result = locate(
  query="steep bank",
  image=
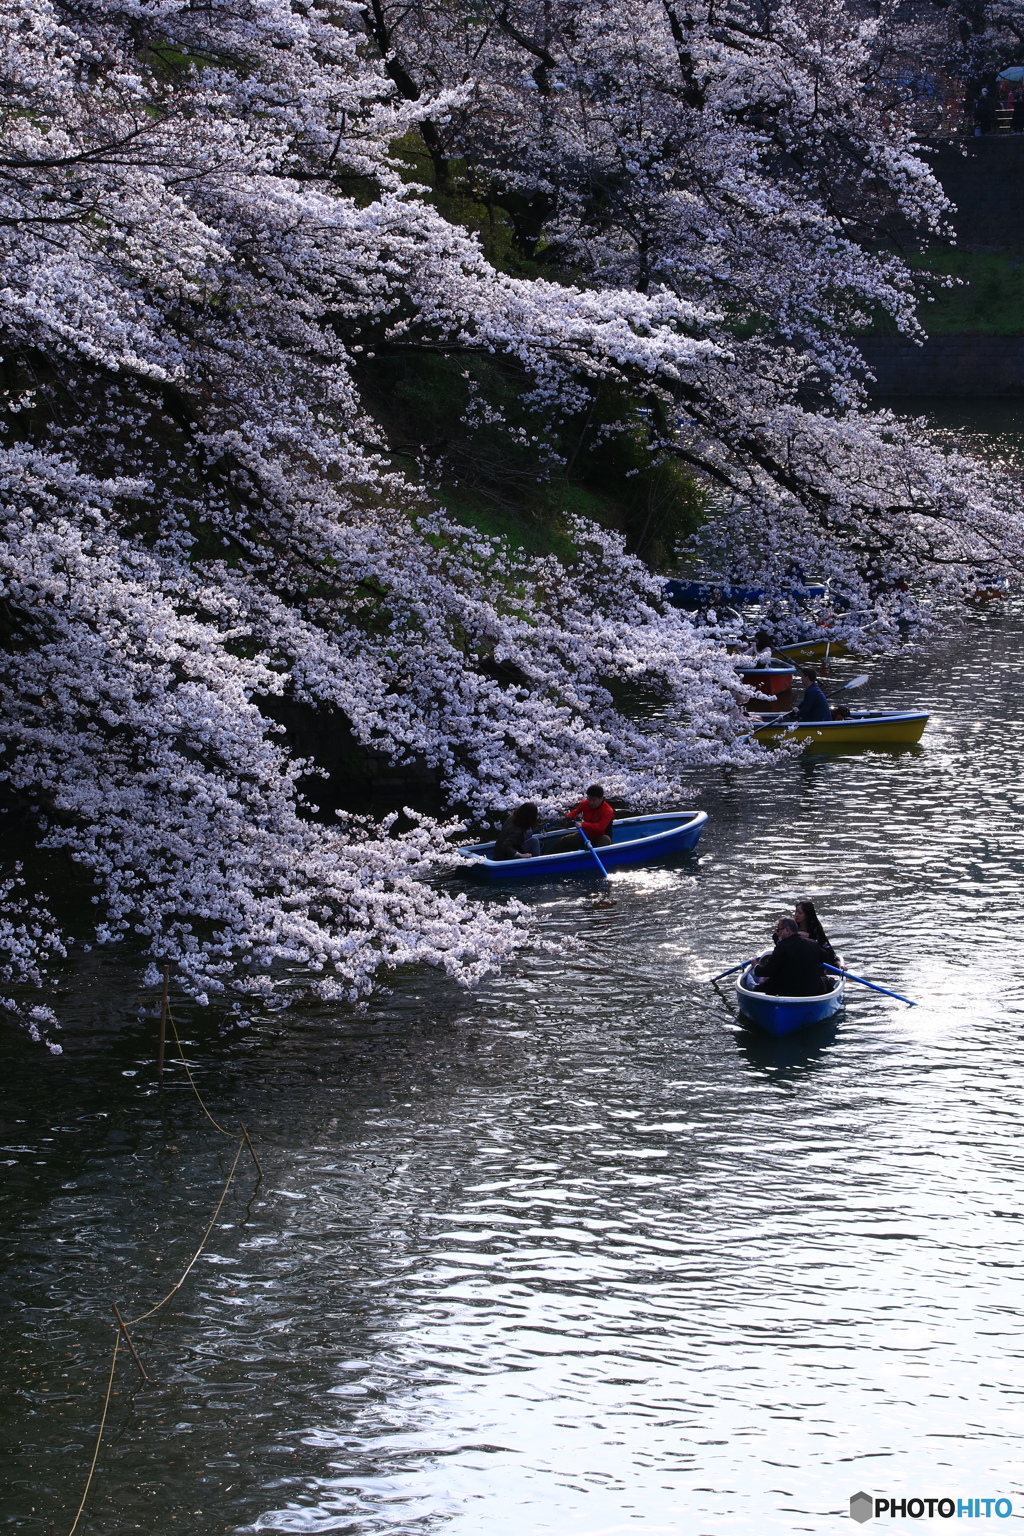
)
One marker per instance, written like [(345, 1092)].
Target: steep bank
[(975, 345)]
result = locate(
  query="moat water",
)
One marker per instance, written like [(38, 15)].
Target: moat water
[(574, 1252)]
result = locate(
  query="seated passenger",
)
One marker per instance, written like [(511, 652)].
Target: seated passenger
[(596, 816), (793, 969), (762, 648), (814, 705), (518, 837), (841, 712), (809, 924)]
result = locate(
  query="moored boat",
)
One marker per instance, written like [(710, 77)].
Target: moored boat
[(784, 1015), (860, 730), (705, 594), (635, 840), (772, 680), (810, 650)]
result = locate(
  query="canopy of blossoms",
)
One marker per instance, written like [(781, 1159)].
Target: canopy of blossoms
[(205, 229)]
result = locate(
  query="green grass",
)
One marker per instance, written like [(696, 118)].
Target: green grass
[(494, 476), (987, 300)]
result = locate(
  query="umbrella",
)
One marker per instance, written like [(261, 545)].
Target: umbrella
[(1015, 72)]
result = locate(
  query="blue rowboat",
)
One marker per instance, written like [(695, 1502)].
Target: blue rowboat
[(702, 594), (635, 840), (785, 1015)]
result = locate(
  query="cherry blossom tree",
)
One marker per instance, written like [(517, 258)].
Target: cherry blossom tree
[(203, 228), (209, 233), (756, 161)]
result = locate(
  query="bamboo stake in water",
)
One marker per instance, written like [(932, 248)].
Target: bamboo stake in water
[(163, 1030), (128, 1340)]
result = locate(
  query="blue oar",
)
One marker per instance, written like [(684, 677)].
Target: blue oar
[(873, 985), (593, 852), (732, 970)]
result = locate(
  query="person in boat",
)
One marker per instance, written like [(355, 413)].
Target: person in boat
[(809, 924), (813, 706), (763, 644), (518, 837), (595, 815), (793, 969), (841, 712)]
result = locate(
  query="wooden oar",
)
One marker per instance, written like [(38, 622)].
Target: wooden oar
[(836, 970), (593, 852), (732, 970)]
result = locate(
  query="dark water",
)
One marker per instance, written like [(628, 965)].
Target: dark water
[(572, 1253)]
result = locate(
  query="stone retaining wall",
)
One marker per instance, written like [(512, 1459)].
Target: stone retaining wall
[(945, 365)]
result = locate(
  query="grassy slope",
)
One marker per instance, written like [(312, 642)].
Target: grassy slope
[(987, 299), (494, 475)]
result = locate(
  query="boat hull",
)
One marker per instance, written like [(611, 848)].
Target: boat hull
[(635, 840), (810, 650), (785, 1015), (702, 594), (901, 730), (769, 680)]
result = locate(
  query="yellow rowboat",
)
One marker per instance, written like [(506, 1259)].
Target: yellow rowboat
[(874, 730), (810, 650)]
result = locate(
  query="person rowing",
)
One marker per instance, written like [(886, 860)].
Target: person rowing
[(813, 706), (518, 837), (794, 967), (595, 816)]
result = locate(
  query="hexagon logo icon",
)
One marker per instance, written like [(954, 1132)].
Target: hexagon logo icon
[(862, 1507)]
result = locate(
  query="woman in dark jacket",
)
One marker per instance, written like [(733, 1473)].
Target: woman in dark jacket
[(518, 837), (809, 924)]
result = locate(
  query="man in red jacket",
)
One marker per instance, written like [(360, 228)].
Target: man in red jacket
[(596, 816)]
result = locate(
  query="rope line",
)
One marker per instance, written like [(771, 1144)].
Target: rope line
[(99, 1436), (195, 1090), (132, 1321), (243, 1145)]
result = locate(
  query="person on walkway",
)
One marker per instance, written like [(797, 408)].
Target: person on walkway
[(793, 969), (595, 815), (518, 837), (809, 924), (984, 112), (1017, 120), (814, 705)]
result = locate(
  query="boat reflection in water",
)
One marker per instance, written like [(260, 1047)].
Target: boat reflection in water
[(805, 1049)]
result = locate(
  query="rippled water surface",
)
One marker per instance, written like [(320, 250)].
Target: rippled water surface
[(572, 1253)]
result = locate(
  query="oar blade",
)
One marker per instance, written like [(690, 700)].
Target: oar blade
[(593, 853), (872, 984)]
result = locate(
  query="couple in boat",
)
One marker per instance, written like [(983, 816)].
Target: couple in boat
[(794, 967), (518, 838)]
